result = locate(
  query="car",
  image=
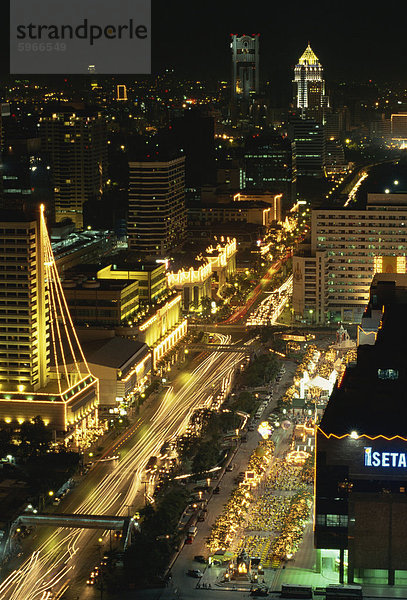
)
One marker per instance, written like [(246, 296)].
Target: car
[(259, 591), (216, 490), (200, 558), (230, 467), (189, 540), (195, 573), (90, 581)]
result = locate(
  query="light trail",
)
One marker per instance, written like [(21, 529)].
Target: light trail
[(354, 190), (270, 309), (53, 564)]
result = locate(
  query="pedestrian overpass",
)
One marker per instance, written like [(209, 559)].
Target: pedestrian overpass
[(127, 525)]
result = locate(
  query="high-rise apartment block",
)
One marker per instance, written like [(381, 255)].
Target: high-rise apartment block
[(332, 278), (157, 213), (75, 140), (245, 66)]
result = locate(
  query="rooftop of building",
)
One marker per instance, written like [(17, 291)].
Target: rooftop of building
[(78, 108), (114, 352), (371, 398), (231, 205), (17, 215), (91, 270), (93, 284), (308, 57)]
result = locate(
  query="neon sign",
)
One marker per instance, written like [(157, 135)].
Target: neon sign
[(385, 459)]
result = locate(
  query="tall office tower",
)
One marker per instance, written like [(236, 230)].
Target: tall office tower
[(309, 85), (308, 148), (75, 140), (245, 66), (157, 213), (267, 164), (42, 367)]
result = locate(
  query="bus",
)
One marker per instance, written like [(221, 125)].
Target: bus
[(291, 590)]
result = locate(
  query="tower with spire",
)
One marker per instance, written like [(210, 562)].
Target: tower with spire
[(309, 84)]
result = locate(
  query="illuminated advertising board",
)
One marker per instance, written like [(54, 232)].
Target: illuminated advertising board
[(377, 458)]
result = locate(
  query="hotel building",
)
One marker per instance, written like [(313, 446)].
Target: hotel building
[(35, 376), (332, 276)]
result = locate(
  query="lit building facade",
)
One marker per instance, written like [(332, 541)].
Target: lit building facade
[(102, 302), (76, 142), (214, 267), (333, 276), (194, 283), (38, 375), (399, 127), (163, 328), (309, 84), (151, 278), (123, 367), (157, 213)]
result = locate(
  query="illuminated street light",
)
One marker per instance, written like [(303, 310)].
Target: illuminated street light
[(354, 435)]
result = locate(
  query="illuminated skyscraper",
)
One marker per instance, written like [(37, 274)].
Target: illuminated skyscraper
[(245, 66), (43, 371), (309, 85)]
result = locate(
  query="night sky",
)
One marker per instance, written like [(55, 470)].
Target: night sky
[(354, 41)]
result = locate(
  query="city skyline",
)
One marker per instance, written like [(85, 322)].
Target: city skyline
[(356, 44)]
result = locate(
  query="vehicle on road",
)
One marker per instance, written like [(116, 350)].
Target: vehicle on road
[(200, 558), (195, 573), (151, 464), (259, 591), (216, 490), (189, 540)]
